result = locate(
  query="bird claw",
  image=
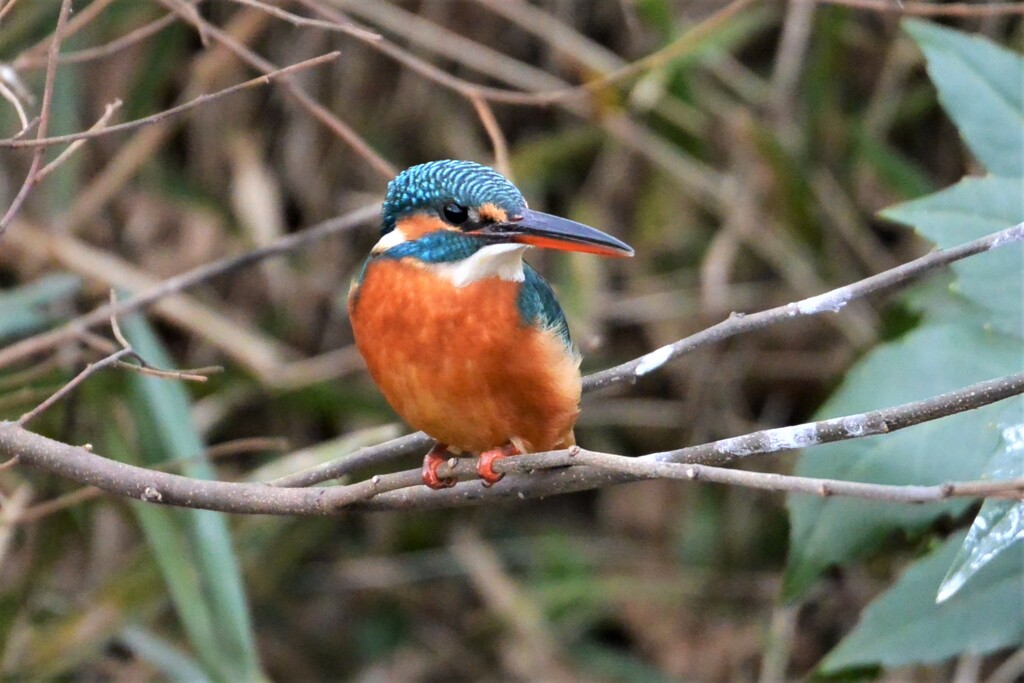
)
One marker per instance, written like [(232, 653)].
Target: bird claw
[(485, 465), (434, 459)]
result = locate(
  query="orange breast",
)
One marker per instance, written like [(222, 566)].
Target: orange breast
[(458, 364)]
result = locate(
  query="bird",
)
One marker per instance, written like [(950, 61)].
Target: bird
[(466, 341)]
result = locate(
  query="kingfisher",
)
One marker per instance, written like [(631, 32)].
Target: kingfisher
[(464, 339)]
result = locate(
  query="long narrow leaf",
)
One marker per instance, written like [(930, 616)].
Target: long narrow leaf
[(165, 404)]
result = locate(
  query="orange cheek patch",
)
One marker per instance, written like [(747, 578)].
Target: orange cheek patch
[(492, 212), (415, 227)]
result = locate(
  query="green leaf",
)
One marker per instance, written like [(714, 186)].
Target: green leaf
[(169, 544), (26, 308), (1000, 523), (169, 434), (904, 625), (979, 86), (174, 664), (971, 332), (931, 360), (973, 208)]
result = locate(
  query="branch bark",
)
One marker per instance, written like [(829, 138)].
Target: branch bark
[(530, 476)]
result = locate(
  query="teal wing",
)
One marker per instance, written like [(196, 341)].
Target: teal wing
[(538, 306)]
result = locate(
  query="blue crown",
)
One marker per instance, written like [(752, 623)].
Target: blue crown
[(429, 186)]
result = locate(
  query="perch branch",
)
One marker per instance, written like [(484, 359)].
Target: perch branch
[(557, 472), (552, 473)]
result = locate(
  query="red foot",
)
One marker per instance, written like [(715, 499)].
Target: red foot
[(437, 456), (485, 466)]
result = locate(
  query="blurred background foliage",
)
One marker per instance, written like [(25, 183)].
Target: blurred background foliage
[(747, 172)]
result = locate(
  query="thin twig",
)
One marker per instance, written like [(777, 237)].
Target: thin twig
[(198, 375), (29, 59), (829, 302), (317, 110), (343, 26), (78, 20), (9, 95), (44, 118), (784, 483), (89, 54), (26, 130), (173, 111), (498, 142), (934, 9), (73, 147), (7, 8), (680, 46), (85, 374), (144, 368)]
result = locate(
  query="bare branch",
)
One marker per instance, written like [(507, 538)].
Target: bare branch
[(784, 483), (29, 61), (574, 469), (82, 465), (341, 25), (11, 97), (199, 101), (179, 283), (498, 142), (7, 8), (85, 374), (86, 493), (829, 302), (933, 9), (317, 110), (538, 478), (44, 118), (362, 458), (73, 147), (113, 359)]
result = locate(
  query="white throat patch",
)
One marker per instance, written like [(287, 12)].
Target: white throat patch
[(503, 261), (392, 239)]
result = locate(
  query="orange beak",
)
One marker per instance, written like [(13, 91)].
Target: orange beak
[(551, 232)]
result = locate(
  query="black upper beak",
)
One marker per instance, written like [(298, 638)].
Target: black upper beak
[(551, 232)]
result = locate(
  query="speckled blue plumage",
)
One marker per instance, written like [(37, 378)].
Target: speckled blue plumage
[(539, 307), (435, 183), (443, 246)]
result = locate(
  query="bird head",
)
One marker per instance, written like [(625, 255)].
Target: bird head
[(449, 211)]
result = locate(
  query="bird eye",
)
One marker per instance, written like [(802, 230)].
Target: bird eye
[(455, 214)]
